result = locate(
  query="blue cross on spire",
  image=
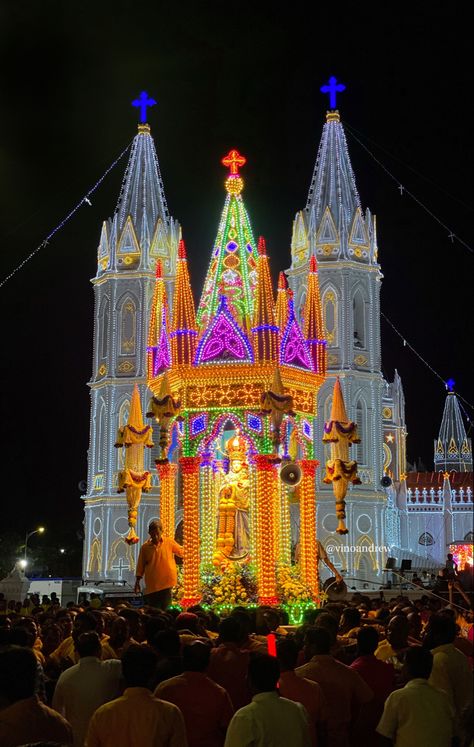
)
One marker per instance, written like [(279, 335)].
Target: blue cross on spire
[(332, 87), (143, 102), (450, 385)]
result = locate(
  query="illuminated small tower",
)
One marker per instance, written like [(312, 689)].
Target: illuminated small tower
[(265, 330), (184, 329), (452, 449), (140, 232)]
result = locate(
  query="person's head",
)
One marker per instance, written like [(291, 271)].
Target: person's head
[(418, 663), (138, 665), (287, 654), (350, 619), (414, 624), (135, 622), (166, 643), (84, 622), (329, 623), (155, 530), (119, 631), (64, 620), (440, 629), (263, 673), (230, 630), (196, 657), (317, 642), (20, 636), (397, 631), (188, 621), (88, 644), (367, 641), (18, 674), (99, 619), (450, 556)]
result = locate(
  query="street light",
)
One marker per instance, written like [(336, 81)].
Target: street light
[(22, 563), (40, 530)]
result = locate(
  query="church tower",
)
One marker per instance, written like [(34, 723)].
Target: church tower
[(140, 233), (453, 449), (334, 228)]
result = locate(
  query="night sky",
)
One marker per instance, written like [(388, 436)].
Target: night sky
[(248, 80)]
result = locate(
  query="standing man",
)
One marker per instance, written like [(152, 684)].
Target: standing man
[(156, 562)]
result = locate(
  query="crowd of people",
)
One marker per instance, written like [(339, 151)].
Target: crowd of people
[(364, 672)]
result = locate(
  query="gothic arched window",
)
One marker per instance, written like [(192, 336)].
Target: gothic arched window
[(426, 539), (361, 419), (330, 316), (358, 308), (122, 420), (128, 324), (101, 435), (104, 329)]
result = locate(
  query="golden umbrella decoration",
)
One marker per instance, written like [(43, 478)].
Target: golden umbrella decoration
[(133, 479), (340, 470), (276, 404), (164, 409)]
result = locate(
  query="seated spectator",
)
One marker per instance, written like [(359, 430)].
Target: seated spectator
[(393, 649), (350, 622), (84, 687), (120, 638), (345, 691), (228, 664), (137, 718), (25, 718), (269, 719), (206, 707), (417, 714), (66, 655), (302, 690)]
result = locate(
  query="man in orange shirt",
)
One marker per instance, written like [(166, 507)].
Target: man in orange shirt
[(156, 562), (206, 707)]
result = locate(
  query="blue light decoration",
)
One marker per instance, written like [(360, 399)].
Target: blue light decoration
[(307, 430), (198, 424), (332, 87), (143, 102), (450, 385), (254, 423)]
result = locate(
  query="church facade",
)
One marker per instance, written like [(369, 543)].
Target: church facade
[(383, 520)]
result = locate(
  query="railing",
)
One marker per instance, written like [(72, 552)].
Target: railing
[(435, 497)]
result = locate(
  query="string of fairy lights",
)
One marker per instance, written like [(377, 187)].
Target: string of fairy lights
[(84, 201), (403, 190)]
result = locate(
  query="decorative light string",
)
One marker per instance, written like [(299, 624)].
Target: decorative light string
[(407, 344), (451, 234), (84, 201)]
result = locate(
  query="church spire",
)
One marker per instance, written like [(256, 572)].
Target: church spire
[(312, 320), (183, 328), (265, 330), (232, 271), (158, 349), (281, 306), (453, 449)]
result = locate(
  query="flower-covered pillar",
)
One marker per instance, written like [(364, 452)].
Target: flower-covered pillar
[(267, 490), (167, 474), (284, 543), (308, 559), (208, 511), (190, 472)]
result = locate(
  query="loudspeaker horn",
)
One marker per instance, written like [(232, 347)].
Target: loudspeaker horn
[(290, 474), (386, 481)]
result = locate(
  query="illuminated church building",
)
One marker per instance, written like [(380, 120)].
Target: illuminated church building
[(416, 516)]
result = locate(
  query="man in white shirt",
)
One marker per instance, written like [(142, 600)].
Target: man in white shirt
[(269, 719), (418, 714), (81, 689)]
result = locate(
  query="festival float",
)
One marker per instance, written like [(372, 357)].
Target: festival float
[(234, 389)]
